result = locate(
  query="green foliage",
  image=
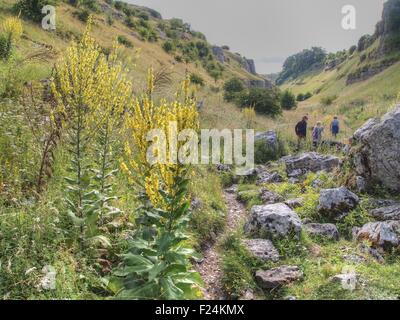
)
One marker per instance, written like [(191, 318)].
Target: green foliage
[(125, 41), (5, 46), (168, 46), (288, 100), (196, 79), (157, 265), (83, 15), (301, 62), (328, 100), (32, 9), (232, 89), (238, 266), (264, 152), (304, 97), (263, 101)]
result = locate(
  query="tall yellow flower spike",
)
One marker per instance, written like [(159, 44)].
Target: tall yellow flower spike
[(12, 27)]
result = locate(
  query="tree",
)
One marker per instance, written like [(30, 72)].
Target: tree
[(264, 101), (288, 100), (232, 88)]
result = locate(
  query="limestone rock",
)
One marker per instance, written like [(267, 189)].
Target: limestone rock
[(269, 197), (262, 249), (377, 150), (326, 230), (310, 161), (385, 234), (273, 221), (336, 203), (386, 213), (278, 277), (294, 203)]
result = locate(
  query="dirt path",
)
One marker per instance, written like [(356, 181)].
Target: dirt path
[(211, 269)]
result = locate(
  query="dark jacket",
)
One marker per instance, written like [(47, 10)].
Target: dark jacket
[(301, 128)]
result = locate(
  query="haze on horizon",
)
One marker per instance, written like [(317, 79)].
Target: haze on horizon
[(270, 31)]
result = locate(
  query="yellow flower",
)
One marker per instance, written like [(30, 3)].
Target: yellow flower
[(13, 27)]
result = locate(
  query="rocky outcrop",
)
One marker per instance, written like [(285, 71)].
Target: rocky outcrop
[(269, 197), (249, 65), (336, 203), (386, 213), (376, 154), (262, 249), (269, 139), (278, 277), (325, 230), (310, 161), (263, 84), (273, 221), (219, 54), (385, 234)]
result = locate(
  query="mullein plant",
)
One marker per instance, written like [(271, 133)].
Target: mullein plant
[(10, 32), (91, 91), (158, 262)]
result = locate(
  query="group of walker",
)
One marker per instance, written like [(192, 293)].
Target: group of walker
[(317, 131)]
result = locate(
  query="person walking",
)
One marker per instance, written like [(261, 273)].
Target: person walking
[(335, 127), (317, 134), (301, 131)]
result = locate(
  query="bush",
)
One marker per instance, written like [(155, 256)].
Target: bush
[(263, 153), (83, 15), (300, 97), (328, 100), (125, 41), (288, 100), (352, 49), (196, 79), (264, 101), (168, 46), (231, 89), (32, 9)]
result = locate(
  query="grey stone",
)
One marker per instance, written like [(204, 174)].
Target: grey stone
[(347, 280), (336, 203), (269, 138), (385, 235), (294, 203), (277, 277), (266, 177), (386, 213), (269, 197), (219, 54), (310, 161), (262, 249), (376, 151), (326, 230), (273, 221), (361, 184)]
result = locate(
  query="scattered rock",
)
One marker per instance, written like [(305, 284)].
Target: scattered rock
[(386, 213), (195, 203), (278, 277), (48, 281), (310, 161), (262, 249), (294, 203), (336, 203), (290, 298), (269, 138), (347, 280), (293, 180), (354, 232), (361, 184), (223, 167), (218, 52), (297, 173), (269, 197), (248, 295), (317, 183), (232, 189), (326, 230), (385, 234), (274, 220), (267, 177), (354, 258), (372, 252), (377, 150)]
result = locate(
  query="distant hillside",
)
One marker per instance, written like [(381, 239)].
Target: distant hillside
[(338, 73)]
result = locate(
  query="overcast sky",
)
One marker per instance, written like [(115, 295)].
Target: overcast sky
[(270, 30)]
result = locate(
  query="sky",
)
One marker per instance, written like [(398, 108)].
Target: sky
[(269, 31)]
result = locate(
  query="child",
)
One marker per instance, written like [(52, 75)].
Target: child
[(335, 127), (317, 134)]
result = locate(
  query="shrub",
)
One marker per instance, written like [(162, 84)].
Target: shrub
[(264, 153), (352, 49), (143, 15), (300, 97), (32, 9), (308, 95), (129, 22), (288, 100), (124, 41), (232, 88), (264, 101), (83, 15), (196, 79), (168, 46), (328, 100)]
